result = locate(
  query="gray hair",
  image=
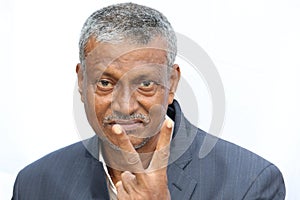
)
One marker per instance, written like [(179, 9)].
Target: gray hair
[(122, 21)]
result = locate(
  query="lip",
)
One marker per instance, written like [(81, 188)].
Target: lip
[(128, 125)]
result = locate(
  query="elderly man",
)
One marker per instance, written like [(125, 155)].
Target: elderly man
[(144, 147)]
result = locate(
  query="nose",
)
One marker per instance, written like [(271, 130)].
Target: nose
[(124, 100)]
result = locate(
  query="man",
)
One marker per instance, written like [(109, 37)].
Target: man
[(144, 147)]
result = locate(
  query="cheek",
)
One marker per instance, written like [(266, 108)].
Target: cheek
[(159, 98), (102, 106)]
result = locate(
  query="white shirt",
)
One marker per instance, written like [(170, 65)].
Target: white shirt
[(112, 190)]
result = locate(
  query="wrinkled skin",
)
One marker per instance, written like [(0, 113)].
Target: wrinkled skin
[(126, 89)]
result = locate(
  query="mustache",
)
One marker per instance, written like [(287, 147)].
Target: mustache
[(135, 116)]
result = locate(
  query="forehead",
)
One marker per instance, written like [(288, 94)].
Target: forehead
[(125, 53)]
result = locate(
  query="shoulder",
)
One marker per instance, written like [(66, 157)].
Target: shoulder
[(51, 164), (64, 157), (72, 168), (58, 157), (209, 146), (53, 168), (234, 169)]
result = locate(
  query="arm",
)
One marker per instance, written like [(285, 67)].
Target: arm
[(269, 184)]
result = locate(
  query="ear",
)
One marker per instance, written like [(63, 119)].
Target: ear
[(79, 71), (174, 79)]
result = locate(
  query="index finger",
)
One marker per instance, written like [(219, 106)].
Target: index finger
[(130, 160), (160, 156), (165, 134)]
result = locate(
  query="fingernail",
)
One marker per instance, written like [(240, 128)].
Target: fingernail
[(117, 129), (119, 183), (169, 123)]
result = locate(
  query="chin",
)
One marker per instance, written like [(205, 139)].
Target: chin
[(139, 143)]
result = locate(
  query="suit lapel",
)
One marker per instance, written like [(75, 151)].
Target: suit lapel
[(98, 186), (180, 181), (181, 184)]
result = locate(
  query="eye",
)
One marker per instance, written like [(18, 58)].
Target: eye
[(104, 85), (147, 83), (147, 86)]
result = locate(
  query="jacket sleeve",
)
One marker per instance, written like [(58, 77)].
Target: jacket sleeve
[(269, 184)]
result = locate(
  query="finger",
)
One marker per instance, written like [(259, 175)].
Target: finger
[(161, 154), (122, 138), (121, 192), (129, 182), (165, 134), (130, 156)]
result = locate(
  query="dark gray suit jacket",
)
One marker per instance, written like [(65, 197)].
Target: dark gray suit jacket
[(201, 167)]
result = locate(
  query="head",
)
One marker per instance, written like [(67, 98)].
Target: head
[(126, 73)]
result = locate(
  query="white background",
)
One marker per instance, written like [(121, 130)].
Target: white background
[(255, 46)]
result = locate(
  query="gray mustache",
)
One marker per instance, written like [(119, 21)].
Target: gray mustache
[(138, 116)]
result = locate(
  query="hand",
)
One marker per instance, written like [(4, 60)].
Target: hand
[(150, 183)]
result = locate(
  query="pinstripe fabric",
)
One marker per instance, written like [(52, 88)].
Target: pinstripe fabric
[(227, 172)]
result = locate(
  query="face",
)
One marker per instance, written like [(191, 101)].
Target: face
[(128, 85)]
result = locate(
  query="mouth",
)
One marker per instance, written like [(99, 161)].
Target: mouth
[(130, 126)]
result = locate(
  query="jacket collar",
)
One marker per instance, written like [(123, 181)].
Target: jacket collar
[(181, 184)]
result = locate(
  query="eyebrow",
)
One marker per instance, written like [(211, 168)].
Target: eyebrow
[(105, 73), (136, 77)]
